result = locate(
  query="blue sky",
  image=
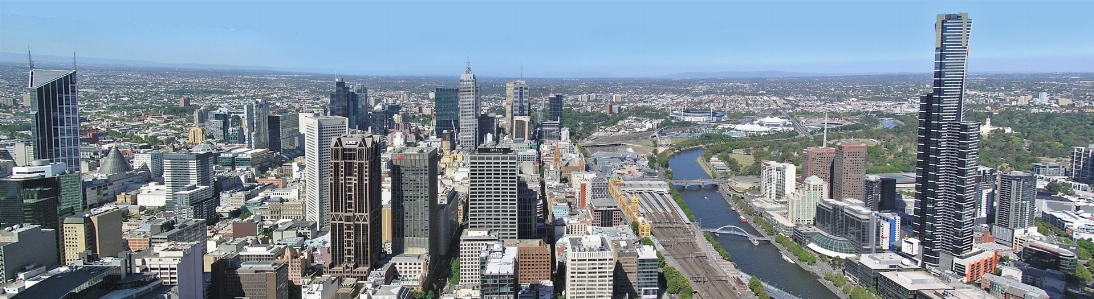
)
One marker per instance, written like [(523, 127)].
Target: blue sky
[(556, 38)]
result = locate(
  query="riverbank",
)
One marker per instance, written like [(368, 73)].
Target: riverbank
[(818, 269), (704, 165)]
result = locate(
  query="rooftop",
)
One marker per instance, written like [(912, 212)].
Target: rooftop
[(61, 284), (917, 280)]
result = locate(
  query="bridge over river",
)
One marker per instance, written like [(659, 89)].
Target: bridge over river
[(737, 231), (701, 183)]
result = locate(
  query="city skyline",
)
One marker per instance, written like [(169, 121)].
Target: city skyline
[(586, 40)]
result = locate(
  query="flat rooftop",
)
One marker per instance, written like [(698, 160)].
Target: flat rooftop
[(61, 284), (917, 280)]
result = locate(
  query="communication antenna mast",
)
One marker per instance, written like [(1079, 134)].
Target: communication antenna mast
[(825, 124), (30, 61)]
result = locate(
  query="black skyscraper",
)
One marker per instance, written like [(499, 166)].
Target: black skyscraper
[(350, 104), (447, 110), (554, 104)]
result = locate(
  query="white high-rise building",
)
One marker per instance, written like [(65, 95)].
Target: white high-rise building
[(471, 244), (802, 205), (319, 131), (257, 126), (179, 264), (777, 180), (469, 111), (590, 266), (154, 160)]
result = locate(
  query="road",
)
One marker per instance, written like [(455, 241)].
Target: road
[(680, 240), (798, 125)]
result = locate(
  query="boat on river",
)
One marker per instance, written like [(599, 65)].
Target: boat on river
[(743, 219)]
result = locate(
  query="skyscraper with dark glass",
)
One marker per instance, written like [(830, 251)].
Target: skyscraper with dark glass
[(414, 198), (351, 104), (55, 117), (947, 151), (447, 109), (554, 106), (354, 205)]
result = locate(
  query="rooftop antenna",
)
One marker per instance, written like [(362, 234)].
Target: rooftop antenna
[(468, 65), (522, 69), (825, 124), (73, 59)]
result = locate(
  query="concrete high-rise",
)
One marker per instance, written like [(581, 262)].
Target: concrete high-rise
[(1082, 164), (802, 206), (446, 104), (350, 104), (493, 192), (256, 124), (355, 203), (55, 117), (516, 103), (99, 231), (469, 111), (264, 280), (777, 180), (1016, 207), (849, 170), (414, 198), (817, 161), (947, 151), (319, 131), (189, 179)]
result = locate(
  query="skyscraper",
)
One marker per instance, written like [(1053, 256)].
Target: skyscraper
[(946, 158), (1017, 192), (414, 195), (319, 131), (777, 180), (516, 100), (469, 111), (493, 192), (349, 104), (189, 180), (817, 161), (554, 106), (257, 125), (355, 205), (849, 170), (1082, 164), (802, 206), (55, 117), (447, 109), (40, 194)]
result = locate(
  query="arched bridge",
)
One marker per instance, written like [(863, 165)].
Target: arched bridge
[(737, 231), (703, 183)]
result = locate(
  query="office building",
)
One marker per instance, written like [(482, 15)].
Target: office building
[(802, 206), (284, 132), (264, 280), (256, 127), (493, 191), (41, 194), (318, 133), (590, 264), (98, 231), (1016, 205), (847, 226), (517, 104), (849, 170), (777, 180), (1003, 287), (196, 135), (867, 267), (521, 127), (185, 175), (414, 198), (1047, 256), (871, 195), (471, 244), (533, 260), (499, 272), (550, 130), (355, 205), (55, 117), (1055, 169), (1082, 164), (351, 104), (26, 247), (446, 103), (907, 284), (888, 195), (179, 264), (948, 146), (273, 124), (469, 111), (153, 160), (554, 107), (817, 161)]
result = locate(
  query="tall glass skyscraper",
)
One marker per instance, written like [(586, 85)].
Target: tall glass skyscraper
[(414, 196), (469, 111), (351, 104), (56, 117), (447, 109), (947, 153)]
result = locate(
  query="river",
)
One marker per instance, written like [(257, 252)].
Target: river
[(763, 260)]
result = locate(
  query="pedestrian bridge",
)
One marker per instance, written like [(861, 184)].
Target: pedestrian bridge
[(737, 231), (700, 184)]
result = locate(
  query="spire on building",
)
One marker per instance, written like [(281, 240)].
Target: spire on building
[(30, 61), (825, 125), (468, 71)]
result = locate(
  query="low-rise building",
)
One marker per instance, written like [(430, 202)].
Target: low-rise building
[(905, 285)]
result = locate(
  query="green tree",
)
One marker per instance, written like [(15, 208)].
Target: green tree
[(634, 227), (455, 279), (1083, 254), (1083, 274), (757, 287)]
